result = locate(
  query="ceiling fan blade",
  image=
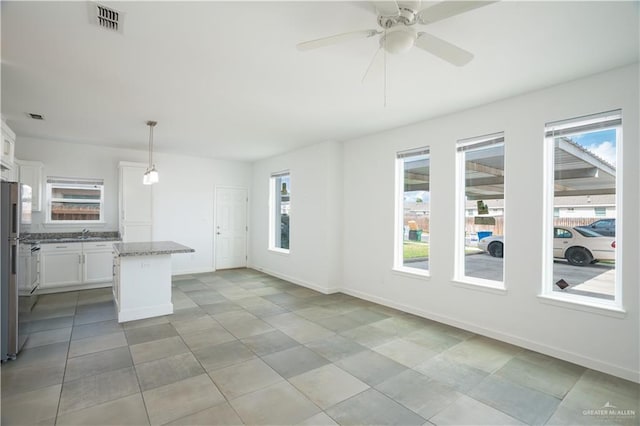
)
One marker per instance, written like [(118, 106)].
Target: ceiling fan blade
[(447, 9), (338, 38), (443, 49), (387, 8)]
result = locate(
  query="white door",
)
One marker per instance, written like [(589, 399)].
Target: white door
[(231, 228)]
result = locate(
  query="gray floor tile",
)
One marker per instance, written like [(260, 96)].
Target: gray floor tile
[(95, 329), (51, 324), (96, 344), (248, 376), (157, 349), (278, 404), (468, 411), (421, 394), (32, 407), (93, 390), (212, 336), (527, 405), (482, 353), (147, 334), (194, 325), (269, 342), (147, 322), (248, 328), (26, 377), (97, 363), (39, 356), (405, 352), (47, 337), (371, 367), (129, 410), (168, 370), (180, 399), (432, 338), (320, 419), (549, 378), (336, 347), (368, 335), (372, 407), (328, 385), (338, 323), (220, 308), (294, 361), (461, 377), (220, 415), (223, 355), (205, 296)]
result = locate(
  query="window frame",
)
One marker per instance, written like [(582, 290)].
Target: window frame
[(273, 191), (608, 120), (398, 236), (73, 183), (459, 275)]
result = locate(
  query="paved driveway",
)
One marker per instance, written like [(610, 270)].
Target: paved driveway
[(596, 280)]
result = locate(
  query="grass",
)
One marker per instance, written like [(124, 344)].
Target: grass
[(415, 250)]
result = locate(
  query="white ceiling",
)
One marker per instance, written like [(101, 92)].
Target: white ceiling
[(224, 79)]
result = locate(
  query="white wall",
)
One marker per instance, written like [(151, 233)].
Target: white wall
[(599, 341), (362, 266), (315, 257), (182, 201)]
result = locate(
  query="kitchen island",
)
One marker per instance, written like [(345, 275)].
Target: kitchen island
[(142, 278)]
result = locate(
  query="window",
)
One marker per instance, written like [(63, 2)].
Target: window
[(280, 211), (480, 235), (75, 200), (413, 208), (581, 257)]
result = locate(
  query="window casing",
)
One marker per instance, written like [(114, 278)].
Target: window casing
[(413, 206), (280, 211), (74, 200), (480, 240), (583, 159)]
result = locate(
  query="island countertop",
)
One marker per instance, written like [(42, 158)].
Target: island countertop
[(150, 248)]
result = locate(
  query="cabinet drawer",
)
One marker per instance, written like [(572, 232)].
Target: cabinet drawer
[(99, 245), (52, 247)]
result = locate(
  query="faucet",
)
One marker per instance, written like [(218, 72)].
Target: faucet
[(85, 233)]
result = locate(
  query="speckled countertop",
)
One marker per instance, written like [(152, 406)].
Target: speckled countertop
[(68, 237), (150, 248)]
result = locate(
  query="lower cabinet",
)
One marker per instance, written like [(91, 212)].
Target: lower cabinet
[(75, 264)]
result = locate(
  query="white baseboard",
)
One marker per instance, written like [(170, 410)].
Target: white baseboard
[(125, 315), (591, 363), (73, 288)]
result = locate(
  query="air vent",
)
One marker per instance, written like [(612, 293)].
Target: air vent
[(35, 116), (108, 18)]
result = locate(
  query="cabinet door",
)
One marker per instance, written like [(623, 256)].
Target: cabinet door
[(98, 263), (7, 148), (31, 174), (136, 197), (60, 268)]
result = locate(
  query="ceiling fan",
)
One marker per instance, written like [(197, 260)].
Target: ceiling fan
[(397, 20)]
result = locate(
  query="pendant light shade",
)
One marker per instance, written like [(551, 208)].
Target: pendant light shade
[(151, 174)]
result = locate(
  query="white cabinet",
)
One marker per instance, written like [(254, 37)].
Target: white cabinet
[(97, 262), (75, 264), (7, 151), (60, 265), (135, 203), (31, 174)]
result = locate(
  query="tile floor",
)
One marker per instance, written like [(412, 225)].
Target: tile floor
[(244, 347)]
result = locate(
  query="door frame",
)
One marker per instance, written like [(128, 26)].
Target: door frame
[(217, 188)]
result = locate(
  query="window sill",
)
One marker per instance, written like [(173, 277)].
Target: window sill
[(279, 251), (411, 272), (77, 224), (485, 286), (607, 309)]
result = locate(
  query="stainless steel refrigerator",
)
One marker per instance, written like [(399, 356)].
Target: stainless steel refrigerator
[(15, 216)]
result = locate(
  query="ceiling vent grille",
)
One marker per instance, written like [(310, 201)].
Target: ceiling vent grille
[(108, 18)]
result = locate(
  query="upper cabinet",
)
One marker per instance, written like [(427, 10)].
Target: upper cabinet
[(135, 203), (30, 173), (7, 153)]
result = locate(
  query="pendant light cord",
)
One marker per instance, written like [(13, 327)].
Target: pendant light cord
[(151, 125)]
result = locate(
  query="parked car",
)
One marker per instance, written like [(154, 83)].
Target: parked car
[(580, 246), (605, 227)]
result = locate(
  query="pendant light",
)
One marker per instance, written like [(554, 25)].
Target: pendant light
[(151, 174)]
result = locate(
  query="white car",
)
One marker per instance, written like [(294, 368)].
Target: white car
[(580, 247)]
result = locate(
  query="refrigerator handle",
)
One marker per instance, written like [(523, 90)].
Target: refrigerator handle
[(14, 259), (14, 218)]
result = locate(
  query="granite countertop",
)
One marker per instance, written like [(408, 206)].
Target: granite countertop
[(68, 237), (149, 248)]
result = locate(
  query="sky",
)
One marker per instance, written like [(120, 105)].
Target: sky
[(601, 143)]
